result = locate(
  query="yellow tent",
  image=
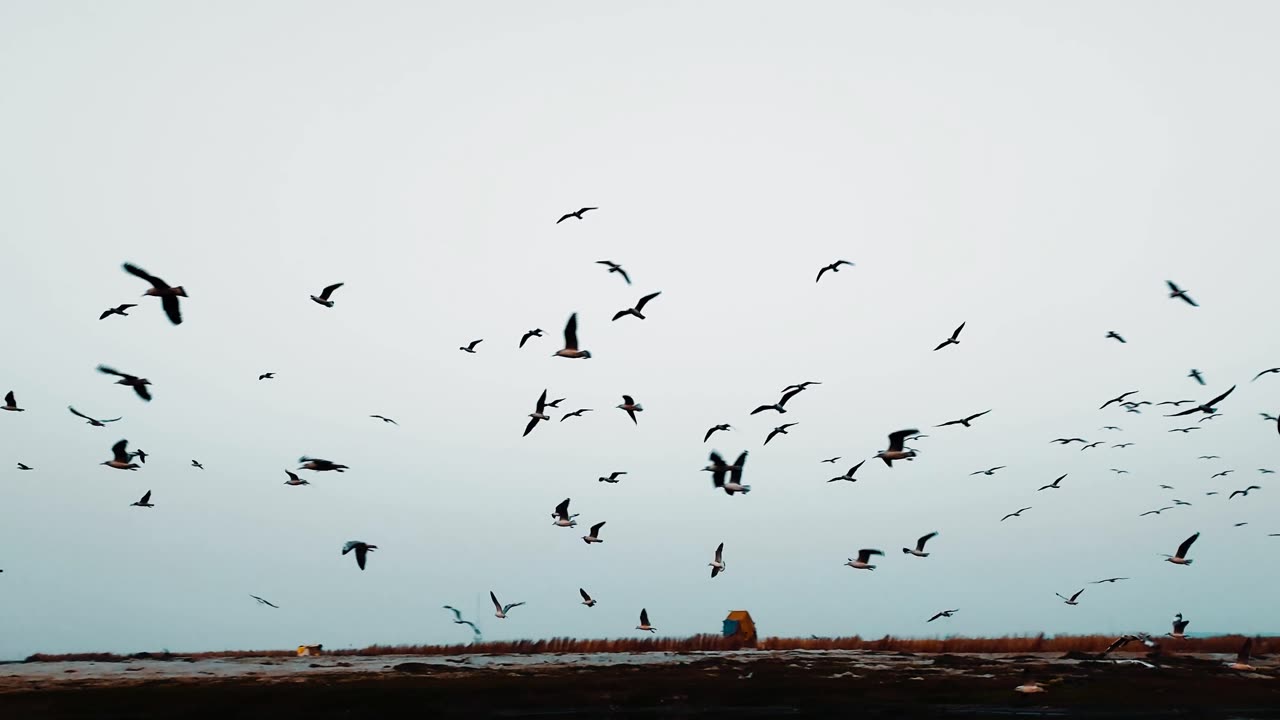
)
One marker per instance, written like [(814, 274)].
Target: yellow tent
[(740, 625)]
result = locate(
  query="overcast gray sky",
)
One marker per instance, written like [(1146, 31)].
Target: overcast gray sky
[(1035, 169)]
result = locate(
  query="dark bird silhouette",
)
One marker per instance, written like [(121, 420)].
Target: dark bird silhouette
[(953, 339), (1177, 292), (613, 477), (195, 464), (537, 413), (144, 502), (944, 613), (138, 384), (1195, 375), (294, 479), (318, 465), (1115, 336), (897, 447), (964, 421), (594, 536), (571, 341), (91, 421), (714, 429), (1224, 473), (1067, 441), (1120, 472), (11, 404), (728, 477), (631, 407), (780, 430), (267, 376), (988, 471), (1174, 403), (537, 332), (1244, 492), (1053, 484), (323, 297), (586, 599), (780, 406), (575, 413), (471, 346), (833, 267), (25, 467), (117, 310), (1091, 445), (161, 289), (1119, 399), (637, 311), (362, 550), (1207, 407), (575, 214), (1108, 580), (385, 419), (1209, 457), (1121, 446), (615, 268), (800, 386), (1014, 514), (831, 460), (1266, 372), (1070, 600), (848, 476), (919, 549), (1184, 430), (262, 601), (1155, 512), (140, 454)]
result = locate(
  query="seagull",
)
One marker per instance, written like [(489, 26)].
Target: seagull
[(575, 413), (864, 555), (161, 289), (323, 298), (1067, 441), (21, 466), (1224, 473), (1176, 501), (120, 457), (919, 551), (787, 395), (637, 310), (571, 340), (1108, 580), (1119, 399), (594, 537), (1242, 657), (262, 601), (117, 310), (138, 384), (586, 599), (1271, 418), (1244, 492), (1207, 407), (1214, 492), (537, 413), (780, 430), (1111, 427), (615, 268), (848, 475), (144, 502), (1175, 403), (718, 469), (1181, 557), (897, 442), (471, 346), (964, 421), (1209, 457), (1122, 446), (500, 609), (562, 516), (140, 454), (801, 386), (318, 465), (362, 550), (10, 404), (1179, 627), (1120, 472), (951, 340), (1115, 336), (1184, 430), (576, 214), (1133, 410), (717, 565), (631, 407), (831, 460), (988, 471), (537, 332), (385, 419), (1120, 642), (644, 622), (944, 613), (713, 430), (1070, 600), (1177, 292), (1054, 485), (267, 376), (195, 464), (833, 267), (294, 479), (1014, 514), (1195, 374), (1265, 372), (94, 423), (613, 477), (1265, 471), (1210, 417), (1091, 445), (1240, 524), (1156, 512), (457, 619)]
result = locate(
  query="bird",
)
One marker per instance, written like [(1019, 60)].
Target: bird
[(964, 421), (471, 346), (849, 474), (144, 502), (919, 550), (1224, 473), (833, 267), (1115, 336), (1207, 407), (586, 599), (562, 516), (536, 332), (1120, 642), (594, 536), (1175, 403), (714, 429), (632, 407), (117, 310), (1181, 557), (896, 451), (575, 214), (717, 565), (1177, 292), (1242, 657), (575, 413), (138, 384), (1266, 372), (555, 403), (1214, 492), (318, 465), (1054, 485), (638, 309), (294, 479), (1122, 446), (1195, 374), (615, 268), (385, 419), (864, 556), (1108, 580), (1240, 524), (719, 469), (1210, 417), (1091, 445), (161, 289), (1265, 471), (1209, 457), (1111, 427), (537, 413), (140, 454), (1014, 514), (22, 466), (1029, 685), (571, 341), (831, 460), (780, 430), (323, 298), (951, 340), (988, 471), (612, 478), (1184, 430), (500, 610), (120, 457), (1070, 600), (801, 386), (195, 464), (780, 405), (1118, 399), (1067, 441), (1244, 492), (1176, 501), (1119, 472), (1179, 627), (644, 622), (1155, 512), (263, 601), (91, 421), (1271, 418), (944, 613), (457, 619), (362, 550), (11, 404)]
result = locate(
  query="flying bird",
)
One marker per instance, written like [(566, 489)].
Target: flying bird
[(1115, 336), (1175, 403), (575, 413), (801, 386), (638, 309), (849, 474), (138, 384), (1244, 492), (22, 466), (988, 471), (457, 620), (1209, 457), (594, 536), (571, 341), (323, 298), (714, 429), (717, 565), (780, 430), (120, 457), (1195, 375), (318, 465), (1179, 627), (144, 502), (1111, 427), (1122, 446), (11, 404), (1091, 445), (1265, 372), (267, 376), (896, 451), (1177, 292), (644, 622), (362, 550), (1108, 580), (471, 346), (1155, 512), (1265, 471), (1181, 557), (632, 407), (944, 613), (1242, 657), (1014, 514), (117, 310), (964, 421), (294, 479), (1224, 473), (1054, 485), (1176, 501), (1207, 407), (613, 477), (719, 470), (831, 460), (385, 419), (537, 332), (161, 289), (615, 268), (833, 267), (780, 405), (1070, 600), (263, 601), (1119, 472), (1184, 430), (537, 413), (562, 516), (1067, 441), (91, 421), (1119, 399), (951, 340), (195, 464), (863, 561), (500, 609), (919, 551), (586, 599), (140, 454), (575, 214)]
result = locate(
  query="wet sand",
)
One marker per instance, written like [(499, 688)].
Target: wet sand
[(652, 685)]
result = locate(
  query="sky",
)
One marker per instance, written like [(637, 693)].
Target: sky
[(1036, 170)]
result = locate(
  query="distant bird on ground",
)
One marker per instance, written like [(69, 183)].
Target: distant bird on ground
[(1108, 580), (385, 419), (1115, 336), (262, 601), (161, 289), (780, 405), (1054, 485), (1015, 514), (138, 384), (362, 550), (1244, 492), (267, 376), (1177, 292), (615, 268), (1184, 430), (800, 386), (471, 346), (1207, 407), (919, 550), (780, 430), (1029, 685), (717, 565), (562, 516), (1181, 557), (575, 413), (1067, 441), (195, 464), (1155, 512), (537, 332), (537, 413), (951, 340), (1091, 445), (140, 454), (1224, 473), (294, 479), (323, 297), (848, 476), (1179, 627), (632, 407), (1070, 600), (714, 429), (1195, 375), (594, 535), (644, 622), (863, 561), (117, 310), (1118, 399), (91, 421), (144, 502), (831, 460), (988, 471), (613, 477), (575, 214), (1242, 657), (1121, 446), (897, 441), (500, 610), (11, 404), (638, 309), (964, 421), (586, 599), (25, 467), (318, 465), (1266, 372), (719, 470), (120, 457), (571, 340), (833, 267), (944, 613)]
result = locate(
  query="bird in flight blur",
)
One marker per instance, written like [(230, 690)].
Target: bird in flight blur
[(594, 535), (575, 214), (1108, 580), (138, 384), (318, 465), (717, 565), (863, 561), (919, 549), (953, 340), (323, 297), (944, 613), (385, 419), (362, 550), (613, 477), (1268, 371), (1112, 334), (964, 421), (1014, 514), (631, 407), (571, 340), (719, 470), (1177, 292), (833, 267), (780, 430), (575, 413), (294, 479), (714, 429), (988, 471), (267, 376), (897, 447), (1208, 407), (195, 464), (848, 476), (261, 601), (22, 466), (1053, 485), (10, 403), (120, 457), (1244, 492), (91, 421), (779, 406), (537, 413), (161, 289), (644, 622), (1070, 600), (1181, 557), (615, 268)]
